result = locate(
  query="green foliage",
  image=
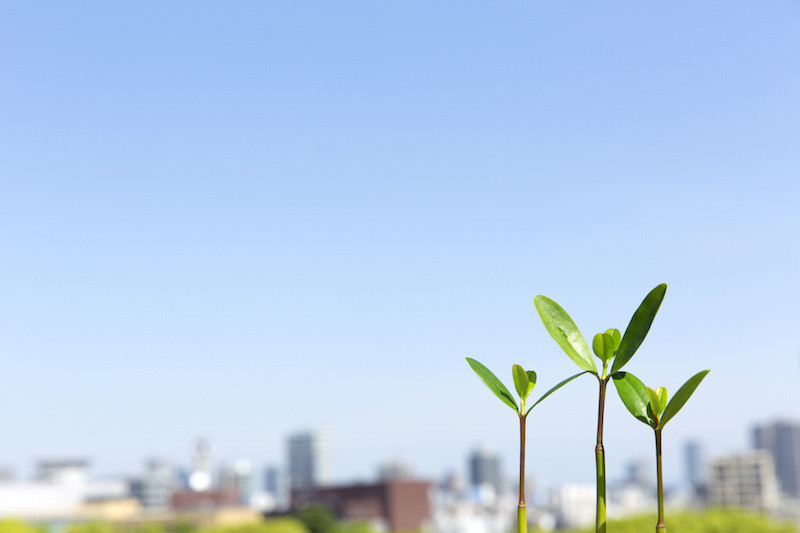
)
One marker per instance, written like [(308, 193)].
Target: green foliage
[(523, 385), (712, 521), (17, 526), (561, 327), (494, 384), (353, 527), (647, 405), (272, 525), (682, 396), (317, 518), (638, 327), (92, 527)]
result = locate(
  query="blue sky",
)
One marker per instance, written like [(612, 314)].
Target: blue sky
[(237, 221)]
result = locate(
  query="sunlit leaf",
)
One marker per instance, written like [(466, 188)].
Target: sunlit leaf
[(531, 379), (521, 381), (564, 331), (555, 388), (655, 402), (634, 395), (639, 326), (682, 396), (662, 397), (615, 335), (494, 384)]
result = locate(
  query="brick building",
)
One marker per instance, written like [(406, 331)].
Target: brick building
[(395, 505)]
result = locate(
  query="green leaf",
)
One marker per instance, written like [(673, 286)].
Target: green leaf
[(564, 331), (604, 346), (634, 396), (638, 327), (615, 336), (682, 396), (662, 397), (494, 384), (655, 402), (555, 388), (521, 382), (531, 378)]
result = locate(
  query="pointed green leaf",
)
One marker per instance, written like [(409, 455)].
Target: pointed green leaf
[(682, 396), (634, 396), (615, 335), (655, 402), (520, 381), (638, 327), (564, 331), (555, 388), (662, 397), (494, 384), (531, 380)]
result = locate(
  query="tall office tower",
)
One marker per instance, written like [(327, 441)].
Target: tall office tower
[(746, 480), (782, 440), (695, 465), (485, 471), (276, 485), (308, 459)]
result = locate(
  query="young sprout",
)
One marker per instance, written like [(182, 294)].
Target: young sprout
[(650, 406), (608, 346), (524, 381)]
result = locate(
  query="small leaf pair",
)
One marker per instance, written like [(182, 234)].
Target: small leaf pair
[(607, 346), (524, 382), (650, 405)]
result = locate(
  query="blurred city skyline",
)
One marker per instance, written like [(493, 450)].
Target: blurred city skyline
[(234, 222)]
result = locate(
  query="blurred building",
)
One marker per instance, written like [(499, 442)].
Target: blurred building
[(574, 505), (154, 488), (394, 470), (277, 487), (485, 475), (238, 478), (63, 491), (781, 439), (744, 480), (199, 478), (401, 505), (63, 471), (308, 459)]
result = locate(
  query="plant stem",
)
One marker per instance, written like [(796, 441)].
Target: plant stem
[(600, 459), (660, 527), (522, 519)]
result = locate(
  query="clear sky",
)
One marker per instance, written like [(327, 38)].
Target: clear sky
[(237, 220)]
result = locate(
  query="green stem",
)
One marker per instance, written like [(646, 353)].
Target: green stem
[(660, 527), (522, 519), (600, 459)]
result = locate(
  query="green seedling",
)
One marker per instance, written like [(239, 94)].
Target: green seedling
[(650, 407), (612, 349), (524, 381)]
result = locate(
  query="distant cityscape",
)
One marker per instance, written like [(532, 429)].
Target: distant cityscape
[(764, 478)]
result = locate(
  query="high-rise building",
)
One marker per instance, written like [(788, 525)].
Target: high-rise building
[(695, 465), (276, 486), (485, 471), (746, 480), (308, 459), (782, 440)]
